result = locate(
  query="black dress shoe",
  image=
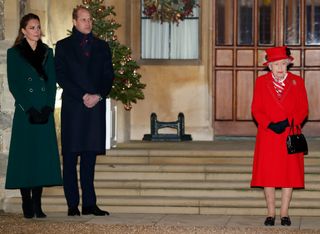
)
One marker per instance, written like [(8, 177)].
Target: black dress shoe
[(269, 221), (285, 221), (73, 211), (95, 210)]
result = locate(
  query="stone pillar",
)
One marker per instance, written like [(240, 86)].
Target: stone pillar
[(11, 19), (6, 113), (22, 8), (1, 20)]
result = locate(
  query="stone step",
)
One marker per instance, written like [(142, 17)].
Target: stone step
[(219, 205), (178, 153), (189, 185), (168, 201), (221, 168), (245, 192), (190, 153), (183, 176), (195, 178), (173, 160), (200, 159)]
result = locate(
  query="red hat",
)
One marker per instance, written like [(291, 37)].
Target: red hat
[(276, 53)]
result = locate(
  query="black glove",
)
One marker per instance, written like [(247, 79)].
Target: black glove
[(35, 117), (279, 127), (46, 111)]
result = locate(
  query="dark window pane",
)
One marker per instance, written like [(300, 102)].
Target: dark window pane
[(224, 22), (245, 22), (266, 22), (312, 22), (292, 22)]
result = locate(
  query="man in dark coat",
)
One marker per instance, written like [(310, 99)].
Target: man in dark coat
[(84, 72)]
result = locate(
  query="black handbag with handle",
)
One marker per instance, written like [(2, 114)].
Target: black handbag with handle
[(296, 142)]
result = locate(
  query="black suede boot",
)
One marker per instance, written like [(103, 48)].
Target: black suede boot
[(36, 200), (27, 206)]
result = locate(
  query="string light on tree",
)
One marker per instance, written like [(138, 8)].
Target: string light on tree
[(86, 2)]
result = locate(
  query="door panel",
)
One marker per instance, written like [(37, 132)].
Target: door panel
[(224, 95), (312, 58), (224, 58), (313, 87), (243, 30), (245, 58), (245, 82)]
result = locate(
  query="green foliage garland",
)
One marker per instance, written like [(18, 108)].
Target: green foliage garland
[(169, 10)]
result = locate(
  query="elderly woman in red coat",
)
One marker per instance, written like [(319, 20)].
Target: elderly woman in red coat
[(279, 98)]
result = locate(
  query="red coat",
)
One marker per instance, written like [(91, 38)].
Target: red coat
[(272, 165)]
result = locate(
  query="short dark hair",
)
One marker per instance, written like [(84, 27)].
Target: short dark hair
[(76, 10)]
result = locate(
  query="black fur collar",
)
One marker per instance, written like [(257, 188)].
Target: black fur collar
[(36, 58)]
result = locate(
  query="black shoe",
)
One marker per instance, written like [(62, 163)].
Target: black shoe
[(27, 204), (73, 211), (36, 199), (27, 209), (95, 210), (39, 213), (269, 221), (285, 221)]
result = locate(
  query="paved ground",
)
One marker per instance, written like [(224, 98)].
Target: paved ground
[(151, 223)]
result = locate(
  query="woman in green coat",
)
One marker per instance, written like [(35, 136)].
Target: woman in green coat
[(33, 156)]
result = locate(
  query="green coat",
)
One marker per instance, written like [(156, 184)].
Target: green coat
[(33, 155)]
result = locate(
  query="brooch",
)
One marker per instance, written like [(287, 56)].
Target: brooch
[(294, 82)]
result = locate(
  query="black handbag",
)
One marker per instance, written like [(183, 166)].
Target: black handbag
[(296, 143)]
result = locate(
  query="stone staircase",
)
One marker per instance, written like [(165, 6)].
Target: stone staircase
[(207, 178)]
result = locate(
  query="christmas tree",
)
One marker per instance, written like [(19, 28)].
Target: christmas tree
[(127, 87)]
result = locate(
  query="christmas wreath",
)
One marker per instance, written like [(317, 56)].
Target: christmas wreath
[(169, 10)]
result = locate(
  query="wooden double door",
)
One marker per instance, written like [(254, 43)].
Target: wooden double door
[(243, 29)]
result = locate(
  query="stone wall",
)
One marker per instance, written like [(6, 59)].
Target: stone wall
[(6, 113), (1, 20)]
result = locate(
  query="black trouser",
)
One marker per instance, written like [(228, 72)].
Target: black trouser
[(70, 179)]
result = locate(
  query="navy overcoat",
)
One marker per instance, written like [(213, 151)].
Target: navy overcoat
[(83, 129)]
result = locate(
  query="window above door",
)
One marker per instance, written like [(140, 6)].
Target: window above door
[(169, 40)]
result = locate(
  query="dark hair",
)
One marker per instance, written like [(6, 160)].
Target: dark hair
[(23, 24), (288, 51), (76, 10)]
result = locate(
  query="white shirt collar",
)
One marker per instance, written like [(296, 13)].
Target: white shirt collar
[(280, 81)]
